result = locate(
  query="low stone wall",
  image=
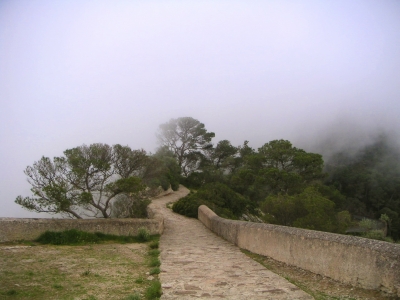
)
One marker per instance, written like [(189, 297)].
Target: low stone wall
[(357, 261), (15, 229)]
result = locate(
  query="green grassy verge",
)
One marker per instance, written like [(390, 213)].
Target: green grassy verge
[(80, 265)]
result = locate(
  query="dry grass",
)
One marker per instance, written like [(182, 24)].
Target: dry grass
[(98, 271)]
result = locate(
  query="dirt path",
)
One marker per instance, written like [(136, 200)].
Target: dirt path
[(195, 263)]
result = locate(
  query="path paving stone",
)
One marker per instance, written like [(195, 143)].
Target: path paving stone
[(195, 263)]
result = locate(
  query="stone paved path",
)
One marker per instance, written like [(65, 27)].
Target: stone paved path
[(195, 263)]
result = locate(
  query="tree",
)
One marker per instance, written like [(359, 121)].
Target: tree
[(187, 138), (370, 181), (308, 210), (85, 181), (222, 156), (288, 169), (281, 155)]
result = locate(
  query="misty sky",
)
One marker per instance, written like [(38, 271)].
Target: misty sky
[(81, 72)]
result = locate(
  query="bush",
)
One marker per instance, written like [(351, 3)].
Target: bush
[(187, 206), (377, 235), (368, 224), (217, 196), (67, 237), (73, 237)]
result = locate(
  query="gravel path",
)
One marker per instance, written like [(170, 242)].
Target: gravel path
[(195, 263)]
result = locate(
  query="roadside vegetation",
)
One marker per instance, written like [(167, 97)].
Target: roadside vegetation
[(276, 183), (281, 184), (80, 265)]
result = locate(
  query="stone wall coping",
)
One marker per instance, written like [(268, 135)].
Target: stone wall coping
[(358, 261)]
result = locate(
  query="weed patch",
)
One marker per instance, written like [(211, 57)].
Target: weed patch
[(154, 252), (155, 271), (135, 296), (154, 245), (139, 280), (153, 291), (143, 234), (154, 262)]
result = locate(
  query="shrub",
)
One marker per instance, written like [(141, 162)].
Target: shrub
[(368, 224), (217, 196), (377, 235), (187, 206), (67, 237), (74, 237)]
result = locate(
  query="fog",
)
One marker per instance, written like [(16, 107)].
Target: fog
[(323, 74)]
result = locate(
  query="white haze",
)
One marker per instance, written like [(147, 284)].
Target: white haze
[(322, 74)]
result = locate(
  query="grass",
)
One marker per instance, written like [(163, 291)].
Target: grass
[(80, 267), (87, 272), (57, 286), (135, 296), (154, 252), (153, 291), (143, 234), (11, 293), (155, 271), (139, 280), (154, 244), (154, 262), (77, 237)]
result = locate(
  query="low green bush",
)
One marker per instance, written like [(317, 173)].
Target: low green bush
[(77, 237), (217, 196), (187, 206), (377, 235), (67, 237)]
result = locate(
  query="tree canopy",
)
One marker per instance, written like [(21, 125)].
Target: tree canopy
[(370, 181), (187, 138), (87, 180), (277, 182)]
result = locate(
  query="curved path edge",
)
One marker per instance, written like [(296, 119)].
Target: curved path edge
[(196, 263)]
